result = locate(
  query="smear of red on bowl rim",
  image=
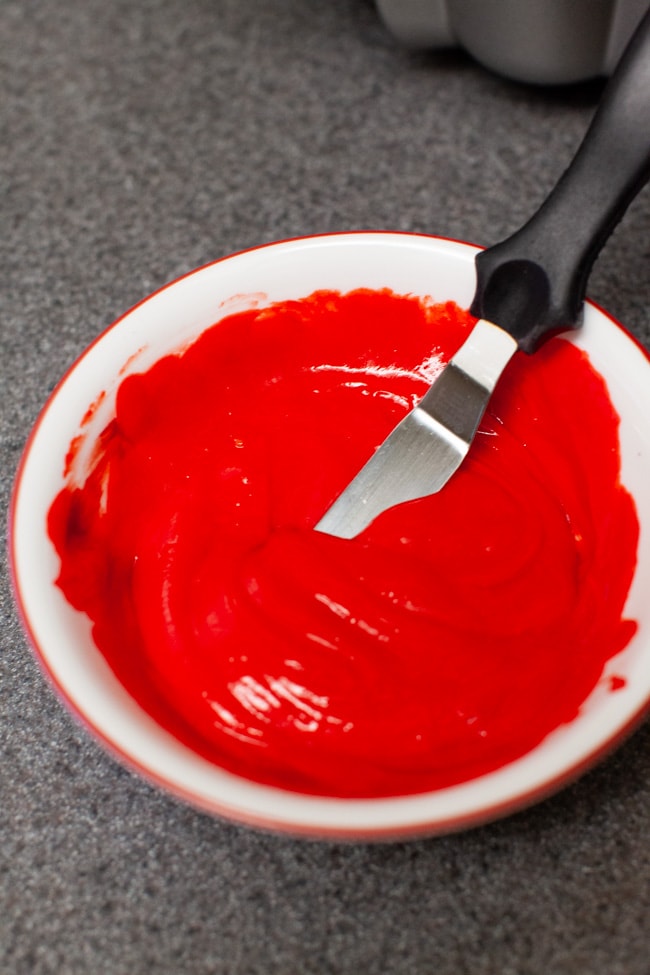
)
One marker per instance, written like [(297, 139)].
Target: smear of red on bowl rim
[(449, 639)]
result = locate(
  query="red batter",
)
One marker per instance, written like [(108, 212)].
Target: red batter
[(447, 640)]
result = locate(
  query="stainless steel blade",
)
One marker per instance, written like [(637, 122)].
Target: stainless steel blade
[(429, 444)]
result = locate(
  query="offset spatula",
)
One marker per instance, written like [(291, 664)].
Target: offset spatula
[(530, 286)]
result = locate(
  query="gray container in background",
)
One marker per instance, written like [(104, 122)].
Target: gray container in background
[(536, 41)]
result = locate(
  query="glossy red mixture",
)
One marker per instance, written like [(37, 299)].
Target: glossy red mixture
[(448, 639)]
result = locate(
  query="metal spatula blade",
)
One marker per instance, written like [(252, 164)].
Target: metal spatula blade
[(532, 285), (427, 446)]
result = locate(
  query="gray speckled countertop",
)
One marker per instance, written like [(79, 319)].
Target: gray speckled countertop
[(140, 140)]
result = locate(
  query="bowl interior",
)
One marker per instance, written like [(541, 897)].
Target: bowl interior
[(171, 318)]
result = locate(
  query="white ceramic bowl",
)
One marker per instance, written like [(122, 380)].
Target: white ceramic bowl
[(170, 318)]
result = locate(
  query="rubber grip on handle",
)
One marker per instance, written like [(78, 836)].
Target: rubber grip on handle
[(533, 283)]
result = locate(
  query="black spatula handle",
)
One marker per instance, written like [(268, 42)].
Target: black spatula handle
[(533, 284)]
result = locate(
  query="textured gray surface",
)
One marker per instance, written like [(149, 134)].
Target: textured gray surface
[(142, 139)]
